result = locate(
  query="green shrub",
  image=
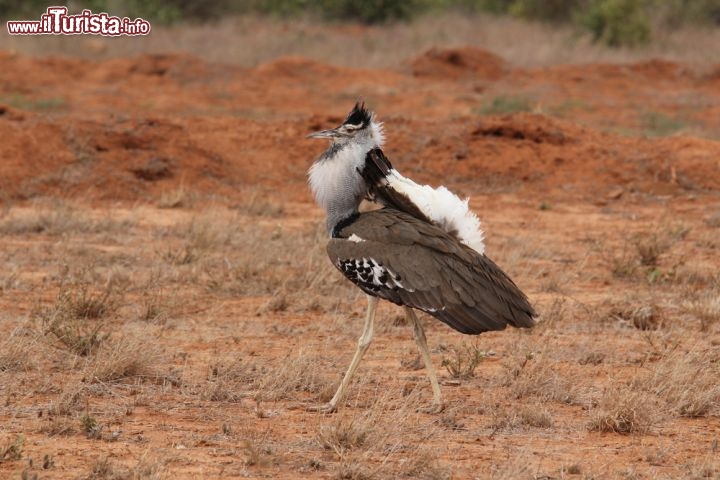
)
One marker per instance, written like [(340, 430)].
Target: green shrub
[(548, 10), (488, 6), (371, 11), (675, 13), (617, 23)]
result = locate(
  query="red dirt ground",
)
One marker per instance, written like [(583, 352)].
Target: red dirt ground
[(557, 161)]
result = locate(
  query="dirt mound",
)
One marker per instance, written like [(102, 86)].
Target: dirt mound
[(658, 69), (551, 157), (21, 74), (296, 67), (171, 65), (536, 128), (457, 63)]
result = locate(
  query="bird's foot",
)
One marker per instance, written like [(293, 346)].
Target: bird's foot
[(435, 408), (325, 408)]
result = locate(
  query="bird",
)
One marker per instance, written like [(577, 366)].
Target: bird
[(422, 249)]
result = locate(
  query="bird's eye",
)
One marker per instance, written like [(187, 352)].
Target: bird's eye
[(352, 127)]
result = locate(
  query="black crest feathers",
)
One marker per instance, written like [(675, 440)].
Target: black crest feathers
[(359, 115)]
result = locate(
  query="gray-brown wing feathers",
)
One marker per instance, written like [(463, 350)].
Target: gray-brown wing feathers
[(410, 262)]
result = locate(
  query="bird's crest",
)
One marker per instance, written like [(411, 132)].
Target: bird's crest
[(359, 115)]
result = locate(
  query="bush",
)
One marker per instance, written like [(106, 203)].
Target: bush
[(617, 23), (488, 6), (675, 13), (549, 10), (371, 11)]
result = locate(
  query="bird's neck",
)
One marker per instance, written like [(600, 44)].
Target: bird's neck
[(337, 185)]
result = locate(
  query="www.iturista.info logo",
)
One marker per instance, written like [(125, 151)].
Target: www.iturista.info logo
[(57, 22)]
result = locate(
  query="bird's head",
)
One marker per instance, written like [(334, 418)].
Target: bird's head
[(359, 128)]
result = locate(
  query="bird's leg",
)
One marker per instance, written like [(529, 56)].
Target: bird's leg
[(425, 354), (363, 344)]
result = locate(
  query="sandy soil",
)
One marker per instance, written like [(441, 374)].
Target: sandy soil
[(168, 310)]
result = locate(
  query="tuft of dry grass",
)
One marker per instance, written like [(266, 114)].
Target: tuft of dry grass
[(230, 381), (533, 374), (623, 264), (18, 350), (80, 338), (146, 468), (296, 373), (687, 382), (123, 358), (347, 433), (624, 410), (80, 303), (705, 306), (260, 205), (154, 306), (58, 426), (534, 416), (176, 198), (70, 399), (643, 252), (637, 314), (12, 450), (463, 361), (237, 379), (365, 447)]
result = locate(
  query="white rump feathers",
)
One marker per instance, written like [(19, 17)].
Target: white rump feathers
[(444, 208)]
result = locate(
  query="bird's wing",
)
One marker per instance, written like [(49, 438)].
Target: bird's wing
[(393, 255)]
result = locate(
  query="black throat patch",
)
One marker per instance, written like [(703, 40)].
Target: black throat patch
[(342, 224)]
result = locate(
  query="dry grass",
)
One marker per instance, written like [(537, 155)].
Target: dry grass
[(679, 384), (534, 375), (106, 469), (12, 450), (512, 418), (19, 350), (225, 320), (231, 381), (236, 379), (295, 373), (59, 426), (687, 382), (122, 358), (463, 361), (365, 447), (70, 399), (637, 313), (650, 245), (623, 410), (75, 317), (705, 306), (179, 197), (640, 255), (60, 219)]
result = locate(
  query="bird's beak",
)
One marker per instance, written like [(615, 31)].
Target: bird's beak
[(331, 133)]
